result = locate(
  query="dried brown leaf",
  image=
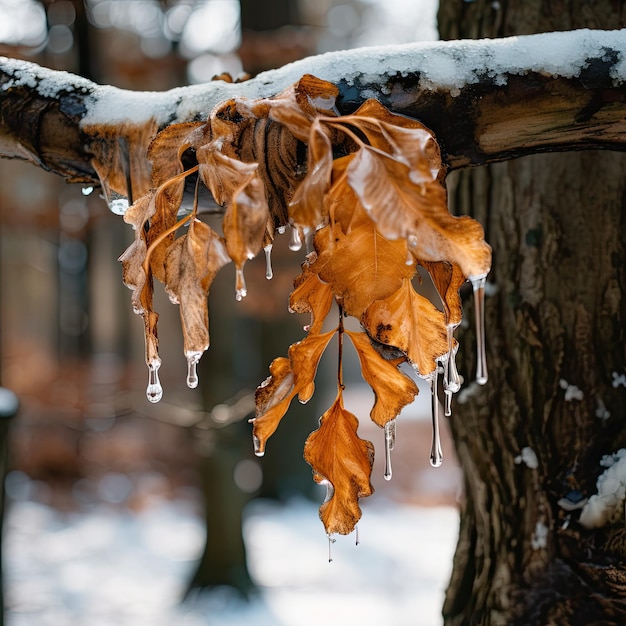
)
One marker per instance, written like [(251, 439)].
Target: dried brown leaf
[(311, 295), (361, 266), (409, 322), (191, 264), (338, 455), (447, 279), (304, 357), (402, 208), (393, 389)]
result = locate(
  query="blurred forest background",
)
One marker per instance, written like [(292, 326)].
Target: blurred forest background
[(71, 348)]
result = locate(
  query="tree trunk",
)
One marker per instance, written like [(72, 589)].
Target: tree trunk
[(556, 342)]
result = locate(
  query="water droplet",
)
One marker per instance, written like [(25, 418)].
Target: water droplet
[(269, 273), (192, 372), (87, 191), (281, 229), (436, 455), (154, 391), (411, 241), (295, 243), (240, 285), (478, 284), (390, 442), (409, 258), (331, 540), (119, 206), (259, 450)]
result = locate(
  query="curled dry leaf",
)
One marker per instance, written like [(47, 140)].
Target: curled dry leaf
[(191, 264), (311, 295), (338, 455), (393, 389), (409, 322), (289, 377)]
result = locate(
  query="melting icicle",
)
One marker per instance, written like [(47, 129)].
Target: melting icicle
[(436, 455), (240, 285), (258, 450), (409, 258), (451, 378), (356, 530), (308, 240), (154, 391), (390, 442), (331, 540), (478, 284), (294, 241), (86, 191), (192, 372), (269, 273)]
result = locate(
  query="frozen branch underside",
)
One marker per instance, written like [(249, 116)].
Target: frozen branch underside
[(496, 110)]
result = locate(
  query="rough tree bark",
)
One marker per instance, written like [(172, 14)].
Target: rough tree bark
[(556, 322)]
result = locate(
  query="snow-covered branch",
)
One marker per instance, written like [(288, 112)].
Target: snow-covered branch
[(485, 100)]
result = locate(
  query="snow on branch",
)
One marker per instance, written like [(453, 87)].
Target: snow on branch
[(485, 100)]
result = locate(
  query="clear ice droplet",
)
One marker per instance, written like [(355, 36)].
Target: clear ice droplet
[(193, 358), (390, 442), (281, 229), (269, 273), (258, 449), (436, 454), (295, 242), (331, 540), (478, 284), (119, 206), (87, 191), (154, 391), (240, 285)]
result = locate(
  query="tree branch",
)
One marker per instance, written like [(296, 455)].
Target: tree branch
[(486, 101)]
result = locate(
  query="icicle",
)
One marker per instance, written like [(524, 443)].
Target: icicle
[(269, 274), (294, 241), (281, 229), (451, 378), (192, 374), (478, 284), (240, 285), (330, 544), (86, 191), (390, 442), (356, 530), (409, 257), (154, 391), (436, 455), (258, 450), (308, 240)]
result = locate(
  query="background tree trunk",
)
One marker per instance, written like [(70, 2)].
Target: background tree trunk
[(555, 321)]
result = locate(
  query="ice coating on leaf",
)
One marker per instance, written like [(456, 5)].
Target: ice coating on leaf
[(311, 295), (191, 264), (337, 454)]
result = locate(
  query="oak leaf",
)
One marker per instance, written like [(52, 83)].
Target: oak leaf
[(338, 455), (288, 377), (361, 266), (409, 322), (393, 389)]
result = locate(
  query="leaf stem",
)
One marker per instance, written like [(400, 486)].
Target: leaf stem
[(340, 331)]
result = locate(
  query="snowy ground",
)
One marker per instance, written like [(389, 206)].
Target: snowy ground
[(110, 567)]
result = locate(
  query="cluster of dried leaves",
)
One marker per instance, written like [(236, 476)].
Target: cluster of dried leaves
[(371, 198)]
